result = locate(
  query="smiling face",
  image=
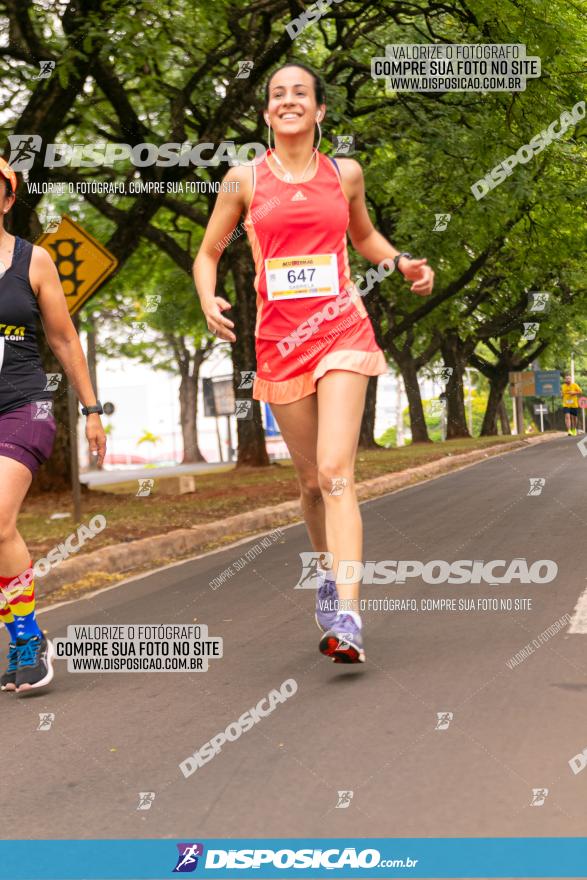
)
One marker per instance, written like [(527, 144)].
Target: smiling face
[(292, 107)]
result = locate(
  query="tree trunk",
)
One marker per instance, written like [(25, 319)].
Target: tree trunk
[(188, 366), (409, 373), (91, 353), (498, 384), (366, 435), (55, 474), (504, 421), (252, 450), (454, 357), (188, 414)]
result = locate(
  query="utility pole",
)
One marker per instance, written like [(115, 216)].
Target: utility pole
[(92, 366), (399, 414), (72, 410)]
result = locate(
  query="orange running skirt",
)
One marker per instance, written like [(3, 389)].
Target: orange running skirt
[(285, 378)]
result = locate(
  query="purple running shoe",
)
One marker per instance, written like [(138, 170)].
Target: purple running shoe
[(326, 602)]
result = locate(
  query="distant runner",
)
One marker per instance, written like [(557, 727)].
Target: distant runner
[(570, 392)]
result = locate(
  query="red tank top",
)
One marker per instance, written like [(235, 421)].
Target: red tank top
[(299, 219)]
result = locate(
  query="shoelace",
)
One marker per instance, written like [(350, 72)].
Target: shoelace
[(12, 658), (328, 589), (28, 654), (346, 624), (326, 595)]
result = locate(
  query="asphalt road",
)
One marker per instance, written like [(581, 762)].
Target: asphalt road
[(370, 730)]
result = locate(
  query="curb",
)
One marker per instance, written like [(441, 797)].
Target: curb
[(124, 558)]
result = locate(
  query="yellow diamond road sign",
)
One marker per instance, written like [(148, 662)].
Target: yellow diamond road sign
[(82, 262)]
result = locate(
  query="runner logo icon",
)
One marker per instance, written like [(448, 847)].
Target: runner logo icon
[(309, 578), (146, 799), (537, 484), (441, 222), (23, 150), (187, 860), (538, 301), (46, 719), (47, 68), (539, 795), (344, 800), (444, 719), (344, 144)]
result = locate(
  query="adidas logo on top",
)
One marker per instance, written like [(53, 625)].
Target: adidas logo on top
[(298, 197)]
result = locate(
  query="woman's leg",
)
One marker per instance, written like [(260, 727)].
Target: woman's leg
[(341, 401), (15, 479), (17, 608), (298, 423)]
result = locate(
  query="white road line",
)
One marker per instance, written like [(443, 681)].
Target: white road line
[(578, 622)]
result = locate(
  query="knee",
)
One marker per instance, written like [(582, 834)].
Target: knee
[(309, 486), (334, 478), (7, 527)]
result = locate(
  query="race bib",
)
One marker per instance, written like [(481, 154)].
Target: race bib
[(299, 277)]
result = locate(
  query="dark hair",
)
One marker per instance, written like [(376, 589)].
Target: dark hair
[(9, 191), (319, 89)]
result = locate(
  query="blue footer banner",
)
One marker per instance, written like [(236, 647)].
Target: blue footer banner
[(293, 857)]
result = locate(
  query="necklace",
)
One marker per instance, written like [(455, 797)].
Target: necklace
[(288, 176)]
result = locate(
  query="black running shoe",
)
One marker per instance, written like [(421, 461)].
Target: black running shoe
[(35, 669), (8, 679)]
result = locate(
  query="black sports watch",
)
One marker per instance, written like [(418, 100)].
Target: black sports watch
[(97, 408), (398, 258)]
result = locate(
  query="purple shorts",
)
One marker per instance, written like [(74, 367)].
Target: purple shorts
[(27, 434)]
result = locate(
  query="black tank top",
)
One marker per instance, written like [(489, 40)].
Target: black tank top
[(22, 377)]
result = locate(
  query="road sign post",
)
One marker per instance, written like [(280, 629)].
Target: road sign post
[(73, 416), (540, 409), (583, 405), (74, 459), (219, 401), (519, 402)]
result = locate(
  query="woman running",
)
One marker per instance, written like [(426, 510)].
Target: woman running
[(29, 288), (315, 344)]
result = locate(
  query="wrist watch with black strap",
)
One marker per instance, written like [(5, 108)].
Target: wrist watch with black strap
[(398, 258), (96, 408)]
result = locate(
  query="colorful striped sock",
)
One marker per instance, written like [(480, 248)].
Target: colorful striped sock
[(7, 618), (22, 604)]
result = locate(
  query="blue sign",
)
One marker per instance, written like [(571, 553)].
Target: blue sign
[(548, 383), (271, 427), (288, 858)]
